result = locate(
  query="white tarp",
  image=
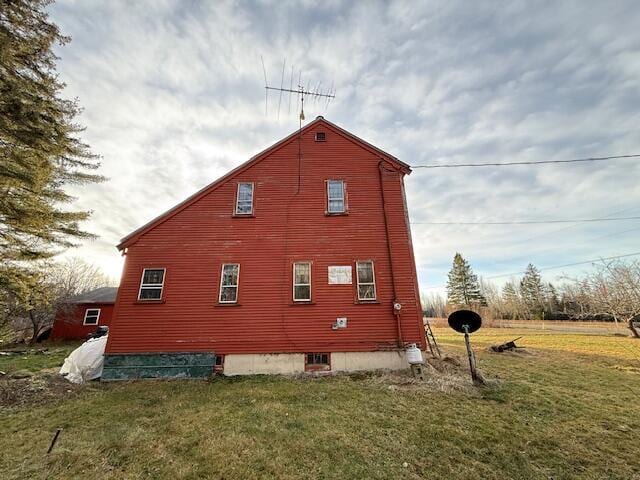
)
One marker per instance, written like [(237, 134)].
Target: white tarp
[(85, 362)]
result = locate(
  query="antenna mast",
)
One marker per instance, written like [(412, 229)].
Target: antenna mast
[(316, 94)]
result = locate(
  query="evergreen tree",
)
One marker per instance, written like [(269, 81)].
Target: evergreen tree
[(551, 300), (531, 290), (463, 287), (40, 152), (511, 299)]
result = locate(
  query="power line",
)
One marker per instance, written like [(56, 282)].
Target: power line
[(530, 222), (553, 267), (574, 160)]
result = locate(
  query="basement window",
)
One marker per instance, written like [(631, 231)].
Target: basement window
[(302, 282), (321, 137), (229, 283), (152, 284), (244, 199), (366, 280), (335, 196), (317, 361), (91, 316)]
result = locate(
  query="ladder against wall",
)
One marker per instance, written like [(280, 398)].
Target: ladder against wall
[(431, 340)]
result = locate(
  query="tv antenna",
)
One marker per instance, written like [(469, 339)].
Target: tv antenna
[(310, 92)]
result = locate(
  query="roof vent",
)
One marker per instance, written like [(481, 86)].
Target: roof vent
[(321, 137)]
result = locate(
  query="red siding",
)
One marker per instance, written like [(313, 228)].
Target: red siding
[(68, 324), (289, 224)]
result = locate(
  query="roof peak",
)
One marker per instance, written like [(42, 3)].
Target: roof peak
[(132, 237)]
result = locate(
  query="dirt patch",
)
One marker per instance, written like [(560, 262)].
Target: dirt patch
[(42, 387), (447, 374)]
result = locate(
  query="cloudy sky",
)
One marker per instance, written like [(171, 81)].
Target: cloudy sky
[(173, 97)]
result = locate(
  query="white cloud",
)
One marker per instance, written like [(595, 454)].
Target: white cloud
[(173, 99)]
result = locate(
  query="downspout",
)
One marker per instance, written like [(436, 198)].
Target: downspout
[(396, 311)]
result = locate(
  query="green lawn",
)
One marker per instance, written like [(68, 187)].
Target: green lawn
[(570, 409), (37, 358)]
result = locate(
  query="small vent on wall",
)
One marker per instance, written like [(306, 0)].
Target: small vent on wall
[(321, 137)]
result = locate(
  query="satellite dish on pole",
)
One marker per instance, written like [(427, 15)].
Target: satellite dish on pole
[(466, 321)]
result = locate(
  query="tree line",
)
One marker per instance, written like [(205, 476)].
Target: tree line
[(610, 293)]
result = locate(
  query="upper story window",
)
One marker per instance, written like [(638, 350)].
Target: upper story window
[(335, 196), (321, 137), (229, 282), (302, 282), (91, 316), (366, 280), (244, 199), (152, 284)]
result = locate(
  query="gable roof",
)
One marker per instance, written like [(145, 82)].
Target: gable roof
[(133, 236), (99, 295)]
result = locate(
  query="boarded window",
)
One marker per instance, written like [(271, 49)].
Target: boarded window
[(152, 284), (244, 199), (366, 280), (335, 196), (229, 282), (91, 316), (302, 282)]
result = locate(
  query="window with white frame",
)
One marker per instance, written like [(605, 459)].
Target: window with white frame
[(244, 199), (335, 196), (229, 282), (91, 316), (302, 282), (366, 280), (151, 284)]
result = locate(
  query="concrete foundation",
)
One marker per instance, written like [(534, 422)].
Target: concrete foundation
[(291, 363), (264, 363)]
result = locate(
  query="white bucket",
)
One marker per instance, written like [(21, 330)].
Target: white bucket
[(414, 355)]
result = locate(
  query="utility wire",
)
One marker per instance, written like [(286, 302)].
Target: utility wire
[(574, 160), (530, 222), (553, 267)]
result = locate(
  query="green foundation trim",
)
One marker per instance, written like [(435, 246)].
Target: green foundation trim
[(158, 365)]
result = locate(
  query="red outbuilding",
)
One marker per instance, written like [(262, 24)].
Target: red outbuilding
[(83, 314), (299, 259)]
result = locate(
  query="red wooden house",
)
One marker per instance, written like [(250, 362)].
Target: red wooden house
[(299, 259), (84, 314)]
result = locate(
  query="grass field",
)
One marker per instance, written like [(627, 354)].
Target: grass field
[(568, 409)]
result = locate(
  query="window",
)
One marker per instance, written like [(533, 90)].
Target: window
[(229, 283), (321, 136), (317, 361), (244, 199), (366, 280), (335, 196), (151, 284), (91, 316), (302, 282)]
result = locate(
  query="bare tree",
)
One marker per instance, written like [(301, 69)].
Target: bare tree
[(54, 286), (434, 305), (614, 289)]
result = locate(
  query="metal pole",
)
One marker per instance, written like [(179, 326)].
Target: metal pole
[(54, 440)]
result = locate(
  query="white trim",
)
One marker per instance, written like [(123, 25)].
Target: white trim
[(301, 284), (358, 283), (238, 198), (148, 286), (86, 314), (236, 286), (342, 198)]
